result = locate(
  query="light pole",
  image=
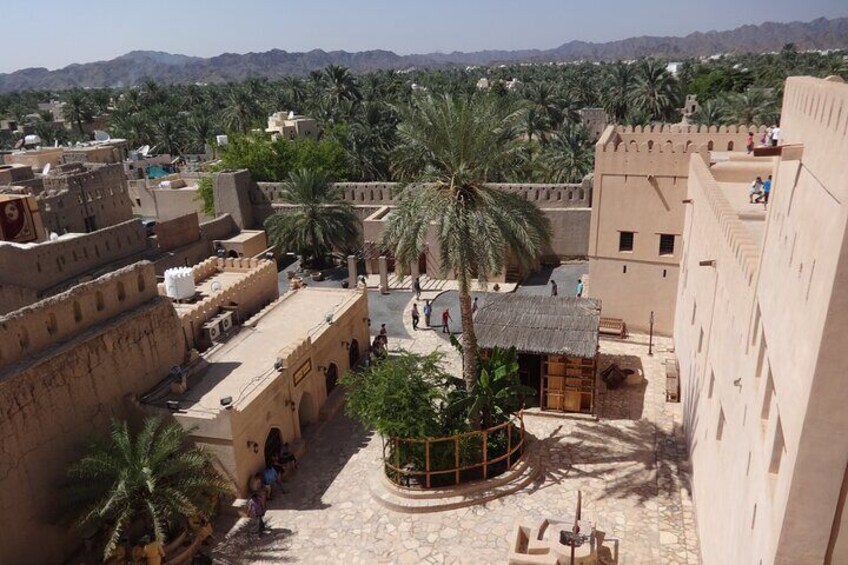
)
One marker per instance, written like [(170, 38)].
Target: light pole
[(651, 336)]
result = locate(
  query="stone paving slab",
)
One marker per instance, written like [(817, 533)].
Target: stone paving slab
[(630, 466)]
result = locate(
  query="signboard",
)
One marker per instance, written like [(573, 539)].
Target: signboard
[(302, 371), (16, 221)]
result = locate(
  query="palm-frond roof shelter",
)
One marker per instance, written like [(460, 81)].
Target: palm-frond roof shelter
[(558, 339)]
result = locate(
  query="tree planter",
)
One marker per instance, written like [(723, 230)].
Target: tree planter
[(445, 461)]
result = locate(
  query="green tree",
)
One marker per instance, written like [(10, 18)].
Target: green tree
[(78, 109), (154, 479), (206, 194), (319, 221), (568, 156), (711, 113), (449, 149), (656, 91), (617, 92), (241, 110), (755, 106), (402, 396), (497, 394)]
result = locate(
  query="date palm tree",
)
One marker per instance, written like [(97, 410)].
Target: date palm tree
[(617, 91), (711, 113), (568, 156), (656, 92), (152, 479), (78, 109), (319, 221), (754, 106), (449, 149), (240, 110)]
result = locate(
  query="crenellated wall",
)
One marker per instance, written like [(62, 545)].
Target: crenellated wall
[(59, 392)]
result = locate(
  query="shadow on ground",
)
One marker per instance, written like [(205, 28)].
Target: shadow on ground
[(247, 546)]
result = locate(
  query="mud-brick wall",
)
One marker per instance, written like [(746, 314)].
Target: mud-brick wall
[(51, 408)]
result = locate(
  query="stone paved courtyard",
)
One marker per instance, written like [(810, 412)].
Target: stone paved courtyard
[(629, 466)]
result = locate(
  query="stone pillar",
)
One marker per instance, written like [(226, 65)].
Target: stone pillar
[(351, 271), (384, 275)]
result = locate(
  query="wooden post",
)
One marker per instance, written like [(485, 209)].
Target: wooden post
[(485, 455), (542, 376), (427, 461), (508, 444), (456, 456)]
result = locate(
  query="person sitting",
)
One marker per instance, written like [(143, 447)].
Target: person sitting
[(756, 189), (286, 456)]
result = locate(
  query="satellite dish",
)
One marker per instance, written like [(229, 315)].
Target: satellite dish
[(215, 286), (46, 170), (100, 135), (145, 149), (54, 236), (329, 318)]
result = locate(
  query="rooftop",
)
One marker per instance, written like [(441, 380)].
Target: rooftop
[(540, 324), (243, 366)]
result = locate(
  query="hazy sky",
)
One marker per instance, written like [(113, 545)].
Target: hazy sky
[(55, 33)]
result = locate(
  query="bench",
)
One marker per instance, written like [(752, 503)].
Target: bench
[(672, 381), (613, 326)]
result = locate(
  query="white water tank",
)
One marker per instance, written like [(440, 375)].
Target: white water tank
[(179, 283), (222, 140)]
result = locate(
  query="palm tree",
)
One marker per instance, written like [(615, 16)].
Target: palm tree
[(618, 90), (448, 150), (240, 110), (568, 156), (340, 84), (78, 109), (656, 91), (152, 479), (710, 113), (319, 220), (754, 106)]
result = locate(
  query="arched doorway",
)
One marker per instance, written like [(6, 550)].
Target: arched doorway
[(306, 413), (353, 354), (273, 444), (233, 254), (332, 378)]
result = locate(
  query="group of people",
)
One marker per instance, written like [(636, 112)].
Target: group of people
[(263, 485), (578, 292), (769, 138), (760, 191)]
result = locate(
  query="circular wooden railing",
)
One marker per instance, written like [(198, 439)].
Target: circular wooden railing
[(452, 460)]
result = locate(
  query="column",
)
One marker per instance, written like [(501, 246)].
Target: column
[(351, 271), (384, 275)]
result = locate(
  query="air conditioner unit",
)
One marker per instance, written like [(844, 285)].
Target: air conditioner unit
[(212, 330), (226, 319)]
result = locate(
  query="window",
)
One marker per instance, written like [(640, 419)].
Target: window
[(666, 244), (625, 241), (767, 398), (701, 340), (721, 422), (712, 385), (122, 294), (777, 450)]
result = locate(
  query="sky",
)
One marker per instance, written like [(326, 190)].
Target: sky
[(56, 33)]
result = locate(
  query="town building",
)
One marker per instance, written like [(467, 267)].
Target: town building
[(759, 332), (635, 240), (595, 120), (167, 197), (288, 125), (271, 380)]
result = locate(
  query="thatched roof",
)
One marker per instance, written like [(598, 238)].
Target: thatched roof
[(553, 325)]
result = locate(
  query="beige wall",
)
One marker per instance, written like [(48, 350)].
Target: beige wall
[(36, 159), (227, 434), (760, 338), (64, 393), (640, 184)]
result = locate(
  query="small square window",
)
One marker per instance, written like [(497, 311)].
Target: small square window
[(625, 241), (666, 244)]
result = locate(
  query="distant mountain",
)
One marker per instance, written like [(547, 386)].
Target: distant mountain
[(137, 66)]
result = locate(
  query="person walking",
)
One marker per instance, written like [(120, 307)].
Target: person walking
[(579, 288), (428, 311), (749, 144), (775, 136), (415, 316), (384, 335), (256, 510), (416, 285), (446, 318), (554, 289), (764, 197), (474, 306)]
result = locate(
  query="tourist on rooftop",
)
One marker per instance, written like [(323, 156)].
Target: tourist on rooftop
[(775, 135), (554, 289), (756, 190)]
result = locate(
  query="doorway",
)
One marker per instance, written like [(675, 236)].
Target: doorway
[(353, 354), (331, 378), (273, 444), (530, 372)]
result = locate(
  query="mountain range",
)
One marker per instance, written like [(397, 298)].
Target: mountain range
[(138, 66)]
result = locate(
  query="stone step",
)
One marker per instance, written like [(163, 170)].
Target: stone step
[(395, 498)]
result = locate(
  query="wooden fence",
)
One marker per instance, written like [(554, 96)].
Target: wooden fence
[(422, 461)]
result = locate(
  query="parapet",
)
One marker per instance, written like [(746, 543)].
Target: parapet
[(32, 329), (666, 138)]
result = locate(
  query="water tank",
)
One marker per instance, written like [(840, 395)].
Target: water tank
[(222, 140), (179, 283), (31, 139)]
